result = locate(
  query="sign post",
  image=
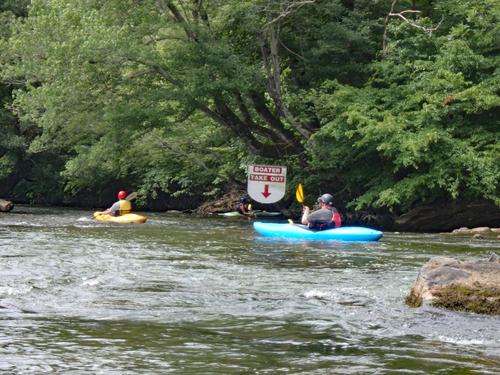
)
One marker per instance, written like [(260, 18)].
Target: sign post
[(266, 183)]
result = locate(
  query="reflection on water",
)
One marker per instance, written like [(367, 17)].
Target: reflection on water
[(199, 295)]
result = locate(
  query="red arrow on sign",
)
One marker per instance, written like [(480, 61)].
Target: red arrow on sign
[(266, 192)]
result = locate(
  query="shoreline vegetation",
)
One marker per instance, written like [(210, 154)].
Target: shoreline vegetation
[(390, 106)]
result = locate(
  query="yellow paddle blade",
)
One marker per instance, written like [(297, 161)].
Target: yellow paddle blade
[(299, 194)]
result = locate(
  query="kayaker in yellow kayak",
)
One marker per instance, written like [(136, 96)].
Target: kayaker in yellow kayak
[(121, 207)]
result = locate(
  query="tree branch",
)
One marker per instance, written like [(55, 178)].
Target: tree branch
[(274, 123), (272, 64), (289, 9), (402, 15), (177, 16)]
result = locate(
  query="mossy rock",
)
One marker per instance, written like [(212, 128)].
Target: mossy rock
[(413, 299), (458, 297)]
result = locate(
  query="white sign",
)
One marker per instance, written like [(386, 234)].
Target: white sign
[(266, 183)]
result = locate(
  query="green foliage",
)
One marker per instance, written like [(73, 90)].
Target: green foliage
[(16, 7), (426, 127), (95, 107), (331, 40), (14, 138), (129, 93)]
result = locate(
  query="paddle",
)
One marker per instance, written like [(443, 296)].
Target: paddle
[(131, 196), (299, 194)]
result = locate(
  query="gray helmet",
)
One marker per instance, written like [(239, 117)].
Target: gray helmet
[(326, 199)]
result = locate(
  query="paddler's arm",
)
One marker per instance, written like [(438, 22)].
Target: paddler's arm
[(305, 215), (246, 209), (112, 210)]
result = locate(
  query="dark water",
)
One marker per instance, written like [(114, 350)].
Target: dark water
[(190, 295)]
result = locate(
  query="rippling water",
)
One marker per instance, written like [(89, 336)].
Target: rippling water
[(190, 295)]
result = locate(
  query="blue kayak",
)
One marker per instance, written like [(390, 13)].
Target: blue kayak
[(297, 231)]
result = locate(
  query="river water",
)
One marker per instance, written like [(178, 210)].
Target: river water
[(187, 295)]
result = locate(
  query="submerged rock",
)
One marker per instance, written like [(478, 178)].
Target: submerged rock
[(481, 230), (458, 285), (462, 230), (478, 233)]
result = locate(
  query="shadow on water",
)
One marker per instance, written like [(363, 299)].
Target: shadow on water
[(184, 294)]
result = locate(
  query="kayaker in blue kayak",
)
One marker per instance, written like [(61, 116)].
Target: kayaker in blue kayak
[(326, 217), (120, 207), (244, 206)]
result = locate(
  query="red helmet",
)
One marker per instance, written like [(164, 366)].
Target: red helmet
[(122, 194)]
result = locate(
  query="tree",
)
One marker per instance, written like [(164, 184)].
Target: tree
[(426, 127), (84, 62), (21, 176)]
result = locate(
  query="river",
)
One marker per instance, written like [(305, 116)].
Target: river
[(188, 295)]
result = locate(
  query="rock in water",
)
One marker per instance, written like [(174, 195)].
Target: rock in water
[(458, 285)]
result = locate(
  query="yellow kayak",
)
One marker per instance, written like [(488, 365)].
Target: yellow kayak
[(127, 218)]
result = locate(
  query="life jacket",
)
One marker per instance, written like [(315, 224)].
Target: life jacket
[(336, 218), (125, 207), (335, 222)]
